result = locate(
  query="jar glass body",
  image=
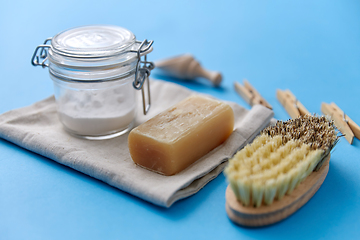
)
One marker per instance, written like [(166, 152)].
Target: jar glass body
[(96, 110), (94, 69)]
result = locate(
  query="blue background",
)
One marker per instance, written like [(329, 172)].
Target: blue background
[(309, 47)]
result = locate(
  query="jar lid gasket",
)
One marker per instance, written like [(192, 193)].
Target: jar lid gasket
[(93, 41)]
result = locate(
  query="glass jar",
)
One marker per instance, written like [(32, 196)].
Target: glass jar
[(95, 70)]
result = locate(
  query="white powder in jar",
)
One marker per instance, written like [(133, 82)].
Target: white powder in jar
[(96, 112)]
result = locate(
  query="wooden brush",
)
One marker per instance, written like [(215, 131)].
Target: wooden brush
[(269, 170)]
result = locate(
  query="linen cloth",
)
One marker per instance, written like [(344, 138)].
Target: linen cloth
[(38, 129)]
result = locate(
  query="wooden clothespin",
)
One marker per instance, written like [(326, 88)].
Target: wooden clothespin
[(188, 68), (293, 106), (345, 125), (250, 94)]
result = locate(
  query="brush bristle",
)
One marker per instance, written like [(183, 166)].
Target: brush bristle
[(279, 159), (318, 132)]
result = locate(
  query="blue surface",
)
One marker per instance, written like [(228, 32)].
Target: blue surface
[(309, 47)]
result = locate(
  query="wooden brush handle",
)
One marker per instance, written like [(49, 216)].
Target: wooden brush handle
[(187, 67), (198, 71)]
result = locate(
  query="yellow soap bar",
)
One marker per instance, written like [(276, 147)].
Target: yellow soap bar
[(177, 137)]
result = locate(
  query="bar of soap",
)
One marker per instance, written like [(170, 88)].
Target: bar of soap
[(177, 137)]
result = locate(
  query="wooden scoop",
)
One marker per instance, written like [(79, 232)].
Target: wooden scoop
[(278, 210), (187, 67)]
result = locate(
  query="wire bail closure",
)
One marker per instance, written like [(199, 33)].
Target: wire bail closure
[(142, 73), (43, 55)]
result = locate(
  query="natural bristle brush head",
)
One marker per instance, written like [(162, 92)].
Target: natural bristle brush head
[(319, 132), (278, 160)]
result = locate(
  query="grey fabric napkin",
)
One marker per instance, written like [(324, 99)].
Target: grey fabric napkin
[(38, 129)]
